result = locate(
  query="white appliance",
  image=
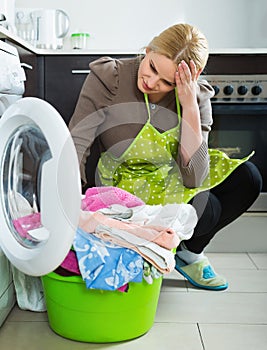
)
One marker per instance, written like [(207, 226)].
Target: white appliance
[(7, 9), (39, 178), (7, 292), (11, 89), (50, 27)]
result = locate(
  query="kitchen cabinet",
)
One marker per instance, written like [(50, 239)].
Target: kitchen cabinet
[(64, 77), (57, 78)]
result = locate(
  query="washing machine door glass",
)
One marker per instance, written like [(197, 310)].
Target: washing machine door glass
[(39, 187), (26, 152)]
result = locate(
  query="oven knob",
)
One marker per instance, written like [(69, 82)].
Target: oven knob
[(242, 90), (228, 90), (216, 89), (256, 90)]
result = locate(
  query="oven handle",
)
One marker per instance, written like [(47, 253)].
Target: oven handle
[(239, 109), (80, 71)]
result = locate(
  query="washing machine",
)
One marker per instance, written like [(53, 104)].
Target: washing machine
[(39, 184), (7, 292), (11, 89), (39, 178)]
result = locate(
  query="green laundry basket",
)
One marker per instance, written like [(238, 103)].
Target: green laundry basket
[(97, 316)]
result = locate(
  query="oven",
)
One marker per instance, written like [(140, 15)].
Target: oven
[(240, 110)]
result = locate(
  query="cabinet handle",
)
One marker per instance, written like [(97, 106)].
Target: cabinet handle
[(80, 71), (25, 65)]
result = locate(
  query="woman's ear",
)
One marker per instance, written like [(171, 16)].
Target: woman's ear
[(199, 72), (148, 50)]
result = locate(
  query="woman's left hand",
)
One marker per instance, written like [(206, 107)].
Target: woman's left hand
[(191, 135), (186, 82)]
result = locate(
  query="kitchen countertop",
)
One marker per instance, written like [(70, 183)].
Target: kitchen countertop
[(7, 34)]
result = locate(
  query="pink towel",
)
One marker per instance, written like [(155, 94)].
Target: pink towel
[(70, 263), (27, 223), (102, 197)]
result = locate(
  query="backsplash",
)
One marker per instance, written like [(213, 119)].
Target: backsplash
[(119, 26)]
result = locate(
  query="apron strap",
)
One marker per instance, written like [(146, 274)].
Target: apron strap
[(178, 105), (147, 106)]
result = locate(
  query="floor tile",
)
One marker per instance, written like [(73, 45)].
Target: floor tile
[(230, 261), (234, 336), (246, 281), (260, 259), (27, 335), (215, 307), (171, 336), (36, 335), (18, 315), (173, 282)]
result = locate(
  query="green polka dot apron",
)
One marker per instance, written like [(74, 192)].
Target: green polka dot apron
[(148, 169)]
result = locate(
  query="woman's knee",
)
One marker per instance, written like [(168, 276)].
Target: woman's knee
[(244, 181), (208, 208), (253, 175)]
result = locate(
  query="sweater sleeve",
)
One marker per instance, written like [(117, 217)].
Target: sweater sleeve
[(96, 94), (195, 172)]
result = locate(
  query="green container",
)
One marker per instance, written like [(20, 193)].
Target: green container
[(97, 316)]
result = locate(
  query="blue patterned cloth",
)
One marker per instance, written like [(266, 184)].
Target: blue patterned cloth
[(104, 265)]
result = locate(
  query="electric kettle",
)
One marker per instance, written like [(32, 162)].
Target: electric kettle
[(50, 27)]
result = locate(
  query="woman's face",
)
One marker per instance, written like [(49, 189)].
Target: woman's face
[(156, 75)]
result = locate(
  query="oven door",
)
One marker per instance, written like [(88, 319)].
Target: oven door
[(239, 129)]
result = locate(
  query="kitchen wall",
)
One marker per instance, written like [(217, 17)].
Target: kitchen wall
[(130, 25)]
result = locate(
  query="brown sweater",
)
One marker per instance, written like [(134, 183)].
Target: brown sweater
[(111, 108)]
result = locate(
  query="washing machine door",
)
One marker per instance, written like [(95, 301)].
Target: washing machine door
[(40, 191)]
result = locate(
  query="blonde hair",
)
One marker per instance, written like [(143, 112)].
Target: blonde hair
[(182, 42)]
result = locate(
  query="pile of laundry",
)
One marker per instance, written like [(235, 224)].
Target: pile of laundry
[(120, 239)]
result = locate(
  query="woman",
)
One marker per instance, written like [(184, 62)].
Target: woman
[(151, 116)]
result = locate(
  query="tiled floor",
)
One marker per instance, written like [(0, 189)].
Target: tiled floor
[(186, 319)]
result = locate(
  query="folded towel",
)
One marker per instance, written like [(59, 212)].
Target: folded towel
[(102, 197), (104, 265)]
